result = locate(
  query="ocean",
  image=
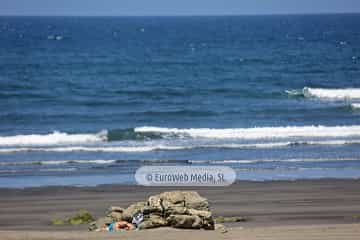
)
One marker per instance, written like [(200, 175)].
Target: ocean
[(88, 100)]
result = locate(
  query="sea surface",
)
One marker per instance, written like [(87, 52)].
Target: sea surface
[(88, 100)]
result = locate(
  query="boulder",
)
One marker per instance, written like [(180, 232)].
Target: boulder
[(179, 209), (154, 205), (116, 216), (116, 209), (200, 213), (153, 221), (129, 212), (175, 210), (175, 202), (174, 197), (195, 201), (185, 221)]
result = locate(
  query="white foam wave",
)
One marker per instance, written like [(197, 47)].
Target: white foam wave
[(234, 161), (179, 148), (83, 161), (355, 106), (58, 162), (58, 170), (54, 138), (259, 133), (271, 160), (12, 171), (93, 149), (294, 92), (332, 94)]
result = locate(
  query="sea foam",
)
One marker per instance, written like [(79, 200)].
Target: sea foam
[(64, 142), (355, 106), (92, 149), (111, 161), (332, 94), (180, 148), (54, 138), (259, 133), (57, 162)]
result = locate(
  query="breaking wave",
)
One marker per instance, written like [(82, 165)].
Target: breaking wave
[(159, 161), (54, 138), (27, 171), (65, 142), (295, 93), (93, 149), (58, 162), (327, 94), (355, 106), (292, 160), (179, 148), (97, 161), (258, 133)]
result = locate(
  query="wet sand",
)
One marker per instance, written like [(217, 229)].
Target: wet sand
[(325, 209)]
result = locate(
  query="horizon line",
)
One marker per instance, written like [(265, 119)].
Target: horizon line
[(180, 15)]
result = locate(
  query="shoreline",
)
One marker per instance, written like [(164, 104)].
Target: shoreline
[(275, 203), (278, 210), (131, 184)]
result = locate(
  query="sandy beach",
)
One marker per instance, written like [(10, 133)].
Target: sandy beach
[(316, 209)]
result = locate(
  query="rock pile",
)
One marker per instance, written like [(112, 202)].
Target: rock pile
[(178, 209)]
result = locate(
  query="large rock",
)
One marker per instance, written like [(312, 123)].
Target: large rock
[(177, 202), (153, 221), (154, 205), (182, 209), (116, 216), (179, 209), (185, 221), (195, 201), (172, 202), (133, 209), (200, 213), (116, 209), (175, 197), (175, 210)]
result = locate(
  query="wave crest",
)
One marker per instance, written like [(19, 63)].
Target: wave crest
[(327, 94), (55, 138), (355, 106), (258, 133), (79, 142), (135, 149)]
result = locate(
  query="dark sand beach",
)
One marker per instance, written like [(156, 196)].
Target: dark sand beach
[(305, 209)]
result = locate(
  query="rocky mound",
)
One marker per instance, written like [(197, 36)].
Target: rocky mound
[(178, 209)]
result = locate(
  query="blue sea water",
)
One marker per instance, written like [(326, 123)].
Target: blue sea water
[(88, 100)]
